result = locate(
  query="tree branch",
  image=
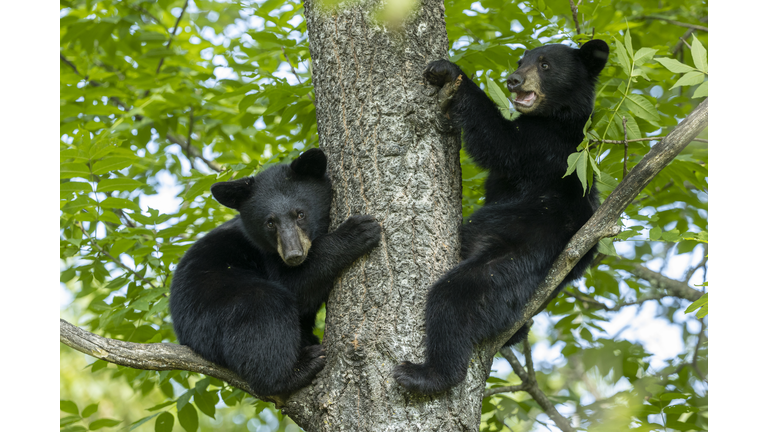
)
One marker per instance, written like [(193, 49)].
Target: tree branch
[(153, 356), (575, 12), (149, 14), (531, 386), (193, 152), (673, 287), (701, 264), (640, 139), (682, 41), (677, 23), (173, 34), (68, 63)]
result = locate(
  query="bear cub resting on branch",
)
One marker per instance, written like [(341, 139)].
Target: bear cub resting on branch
[(530, 211), (245, 296)]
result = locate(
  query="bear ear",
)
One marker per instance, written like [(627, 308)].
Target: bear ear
[(233, 193), (312, 163), (594, 55)]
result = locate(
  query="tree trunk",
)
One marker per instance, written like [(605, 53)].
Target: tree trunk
[(378, 124)]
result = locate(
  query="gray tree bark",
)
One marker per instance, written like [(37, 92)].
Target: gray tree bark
[(378, 124)]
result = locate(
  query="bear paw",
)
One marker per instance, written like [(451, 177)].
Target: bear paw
[(441, 72), (361, 230), (419, 378)]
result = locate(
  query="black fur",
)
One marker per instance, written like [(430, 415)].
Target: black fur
[(237, 303), (530, 210)]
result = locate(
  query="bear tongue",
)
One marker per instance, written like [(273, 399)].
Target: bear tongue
[(525, 98)]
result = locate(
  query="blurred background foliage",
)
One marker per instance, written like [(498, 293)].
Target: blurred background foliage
[(160, 99)]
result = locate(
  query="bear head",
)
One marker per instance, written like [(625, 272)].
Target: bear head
[(556, 80), (283, 208)]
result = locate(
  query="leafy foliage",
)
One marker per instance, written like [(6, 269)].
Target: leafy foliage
[(160, 99)]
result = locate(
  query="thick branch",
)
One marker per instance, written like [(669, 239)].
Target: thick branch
[(673, 287), (639, 139), (603, 222), (155, 356), (670, 288)]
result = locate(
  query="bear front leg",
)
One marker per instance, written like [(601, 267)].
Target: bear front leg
[(448, 77)]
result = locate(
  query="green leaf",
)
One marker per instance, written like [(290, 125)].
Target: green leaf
[(701, 91), (140, 422), (642, 107), (671, 235), (573, 160), (66, 189), (655, 233), (247, 101), (628, 44), (200, 187), (74, 169), (680, 409), (497, 95), (98, 365), (582, 170), (69, 407), (90, 410), (206, 402), (621, 52), (121, 246), (118, 184), (164, 422), (691, 78), (644, 54), (120, 203), (673, 396), (64, 421), (702, 303), (605, 246), (673, 65), (184, 399), (102, 423), (188, 418), (699, 54), (112, 163)]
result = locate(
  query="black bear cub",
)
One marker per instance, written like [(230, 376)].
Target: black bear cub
[(245, 295), (530, 210)]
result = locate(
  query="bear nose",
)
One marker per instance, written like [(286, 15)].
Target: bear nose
[(294, 257), (515, 80)]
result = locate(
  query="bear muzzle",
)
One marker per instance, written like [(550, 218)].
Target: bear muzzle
[(293, 245)]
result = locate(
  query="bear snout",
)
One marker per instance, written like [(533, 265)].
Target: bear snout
[(514, 81)]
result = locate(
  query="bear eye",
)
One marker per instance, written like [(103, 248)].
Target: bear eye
[(545, 66), (300, 215), (270, 224)]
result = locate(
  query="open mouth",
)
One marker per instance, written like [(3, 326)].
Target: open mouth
[(525, 99)]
